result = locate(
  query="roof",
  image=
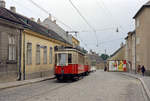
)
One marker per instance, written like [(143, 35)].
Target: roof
[(130, 33), (117, 51), (29, 24), (145, 5)]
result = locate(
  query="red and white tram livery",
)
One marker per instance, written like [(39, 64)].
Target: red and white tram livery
[(70, 63)]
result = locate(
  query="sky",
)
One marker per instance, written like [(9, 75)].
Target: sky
[(105, 17)]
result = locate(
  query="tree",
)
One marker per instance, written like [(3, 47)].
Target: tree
[(104, 56)]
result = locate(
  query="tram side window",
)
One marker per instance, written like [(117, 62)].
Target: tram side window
[(69, 58)]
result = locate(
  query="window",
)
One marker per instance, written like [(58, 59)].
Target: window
[(37, 54), (62, 59), (45, 55), (137, 40), (70, 58), (137, 23), (51, 55), (29, 53), (11, 48), (55, 58)]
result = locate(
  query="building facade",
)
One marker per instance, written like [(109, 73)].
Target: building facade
[(119, 54), (142, 23), (130, 47), (10, 42), (26, 47), (75, 42)]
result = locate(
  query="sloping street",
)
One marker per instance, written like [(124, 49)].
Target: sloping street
[(98, 86)]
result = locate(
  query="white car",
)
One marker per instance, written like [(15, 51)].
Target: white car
[(93, 69)]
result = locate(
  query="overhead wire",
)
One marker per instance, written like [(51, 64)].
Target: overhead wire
[(26, 8), (47, 12), (81, 15), (97, 30), (110, 13), (41, 8)]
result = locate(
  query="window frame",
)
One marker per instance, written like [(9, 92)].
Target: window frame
[(12, 50), (38, 54), (45, 55), (29, 54), (50, 55), (70, 58)]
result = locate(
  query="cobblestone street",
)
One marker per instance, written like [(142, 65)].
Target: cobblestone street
[(98, 86)]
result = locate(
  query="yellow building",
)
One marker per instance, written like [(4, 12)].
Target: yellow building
[(29, 47), (38, 54), (75, 41), (119, 54), (37, 50)]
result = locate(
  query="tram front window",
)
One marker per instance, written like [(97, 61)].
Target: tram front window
[(62, 59)]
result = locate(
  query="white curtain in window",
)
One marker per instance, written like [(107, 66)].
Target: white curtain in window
[(11, 48)]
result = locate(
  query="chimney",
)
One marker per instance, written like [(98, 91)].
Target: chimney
[(2, 3), (32, 19), (39, 21), (50, 17), (54, 21), (13, 9)]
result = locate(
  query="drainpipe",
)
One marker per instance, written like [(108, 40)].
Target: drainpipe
[(24, 57), (20, 49)]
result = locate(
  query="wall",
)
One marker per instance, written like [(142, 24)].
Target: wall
[(143, 36), (8, 69), (38, 70), (120, 55), (75, 42)]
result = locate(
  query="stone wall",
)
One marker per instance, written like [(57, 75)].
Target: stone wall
[(8, 69)]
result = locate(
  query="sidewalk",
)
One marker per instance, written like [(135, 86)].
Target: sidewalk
[(23, 82), (145, 80)]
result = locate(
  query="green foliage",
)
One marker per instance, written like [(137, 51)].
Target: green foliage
[(104, 56)]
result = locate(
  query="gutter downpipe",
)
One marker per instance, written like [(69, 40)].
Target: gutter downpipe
[(24, 57), (20, 46)]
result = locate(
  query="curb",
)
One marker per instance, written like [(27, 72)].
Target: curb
[(24, 82), (143, 84), (145, 87)]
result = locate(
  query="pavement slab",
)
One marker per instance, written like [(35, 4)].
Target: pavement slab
[(145, 80), (23, 82)]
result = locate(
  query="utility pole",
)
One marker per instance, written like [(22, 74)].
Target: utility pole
[(105, 51)]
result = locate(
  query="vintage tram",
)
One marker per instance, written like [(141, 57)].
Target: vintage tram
[(71, 63)]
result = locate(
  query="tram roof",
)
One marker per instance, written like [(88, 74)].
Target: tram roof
[(76, 49)]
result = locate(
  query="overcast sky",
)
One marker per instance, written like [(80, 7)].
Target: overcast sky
[(105, 16)]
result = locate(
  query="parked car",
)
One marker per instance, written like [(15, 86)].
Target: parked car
[(93, 69)]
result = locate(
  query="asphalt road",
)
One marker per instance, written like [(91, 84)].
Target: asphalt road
[(98, 86)]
